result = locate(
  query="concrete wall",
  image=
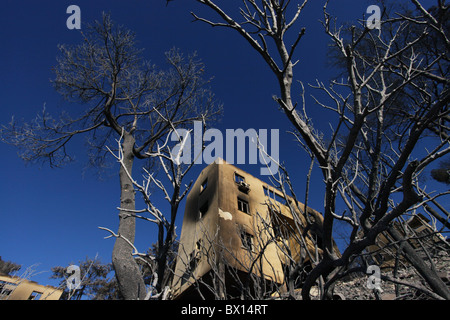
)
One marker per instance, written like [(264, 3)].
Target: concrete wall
[(198, 234), (230, 229)]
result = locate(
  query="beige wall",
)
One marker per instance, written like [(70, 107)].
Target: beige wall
[(240, 257), (23, 289)]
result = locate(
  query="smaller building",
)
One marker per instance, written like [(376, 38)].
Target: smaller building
[(16, 288), (421, 237)]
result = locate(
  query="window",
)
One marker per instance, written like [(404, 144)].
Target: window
[(35, 295), (190, 266), (281, 227), (6, 288), (243, 206), (274, 195), (247, 240), (241, 184), (193, 260), (199, 245), (238, 178), (268, 193), (194, 257), (2, 285), (277, 231), (203, 210), (204, 185)]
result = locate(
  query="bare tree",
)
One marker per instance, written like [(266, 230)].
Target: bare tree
[(160, 261), (370, 163), (125, 98)]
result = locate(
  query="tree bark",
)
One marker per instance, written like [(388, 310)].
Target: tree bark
[(129, 278)]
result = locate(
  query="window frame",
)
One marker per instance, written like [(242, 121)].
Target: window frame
[(245, 205), (274, 195), (35, 295), (247, 240), (7, 288)]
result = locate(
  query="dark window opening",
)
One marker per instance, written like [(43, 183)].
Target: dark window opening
[(277, 231), (282, 228), (274, 196), (6, 288), (203, 210), (204, 185), (247, 240), (190, 267), (243, 206), (238, 178), (35, 295)]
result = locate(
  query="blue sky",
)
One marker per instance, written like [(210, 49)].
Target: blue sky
[(51, 217)]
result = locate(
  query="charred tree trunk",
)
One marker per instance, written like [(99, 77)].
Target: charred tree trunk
[(128, 274)]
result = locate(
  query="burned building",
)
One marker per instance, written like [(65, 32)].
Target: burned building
[(239, 235)]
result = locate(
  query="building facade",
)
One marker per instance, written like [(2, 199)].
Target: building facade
[(16, 288), (238, 230)]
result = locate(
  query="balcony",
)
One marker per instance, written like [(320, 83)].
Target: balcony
[(243, 186)]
